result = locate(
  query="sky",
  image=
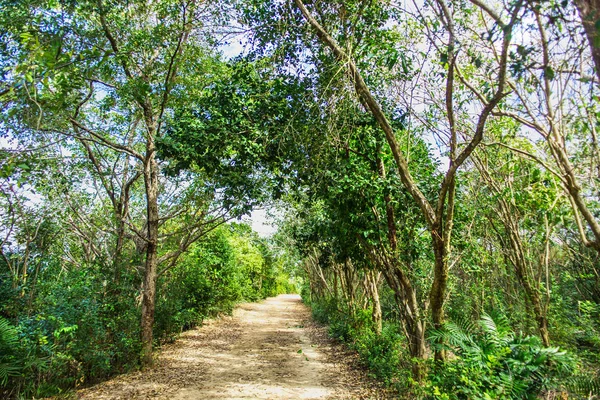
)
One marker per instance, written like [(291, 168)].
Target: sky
[(261, 222)]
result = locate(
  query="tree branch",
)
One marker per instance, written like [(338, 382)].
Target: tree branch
[(103, 141), (363, 92)]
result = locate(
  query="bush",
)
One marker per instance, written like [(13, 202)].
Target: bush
[(77, 333), (204, 284), (382, 354), (321, 312)]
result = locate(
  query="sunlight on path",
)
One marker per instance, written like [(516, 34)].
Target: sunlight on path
[(271, 359), (264, 351)]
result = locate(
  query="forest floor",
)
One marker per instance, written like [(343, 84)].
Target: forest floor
[(266, 350)]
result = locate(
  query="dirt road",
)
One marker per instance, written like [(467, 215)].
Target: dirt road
[(266, 350)]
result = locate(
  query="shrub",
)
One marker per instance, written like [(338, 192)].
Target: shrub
[(59, 334), (382, 354)]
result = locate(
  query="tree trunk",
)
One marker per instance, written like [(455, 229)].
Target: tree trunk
[(416, 338), (439, 285), (542, 321), (349, 278), (374, 293), (531, 293), (150, 270), (516, 255), (589, 12), (410, 311), (120, 220), (335, 287), (406, 296)]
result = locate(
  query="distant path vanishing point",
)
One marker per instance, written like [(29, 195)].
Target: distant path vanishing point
[(267, 350)]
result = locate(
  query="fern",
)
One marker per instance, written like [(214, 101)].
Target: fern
[(7, 371), (9, 341), (456, 336), (460, 335), (493, 362)]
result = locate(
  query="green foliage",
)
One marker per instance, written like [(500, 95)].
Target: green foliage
[(89, 77), (321, 310), (233, 128), (75, 333), (9, 342), (586, 386), (382, 354), (490, 361), (78, 330), (205, 283), (230, 265)]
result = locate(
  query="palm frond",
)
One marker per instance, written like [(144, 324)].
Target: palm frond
[(7, 371), (584, 385), (9, 340), (497, 329), (9, 337)]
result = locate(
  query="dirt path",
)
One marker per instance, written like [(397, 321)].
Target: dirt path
[(266, 350)]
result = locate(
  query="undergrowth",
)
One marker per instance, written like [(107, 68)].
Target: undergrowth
[(74, 331), (487, 359)]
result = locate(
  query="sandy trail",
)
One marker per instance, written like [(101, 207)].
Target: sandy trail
[(266, 350)]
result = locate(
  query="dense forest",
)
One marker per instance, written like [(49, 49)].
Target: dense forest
[(434, 166)]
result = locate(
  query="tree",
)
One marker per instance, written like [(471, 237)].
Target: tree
[(538, 103), (524, 198), (108, 76), (439, 217)]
